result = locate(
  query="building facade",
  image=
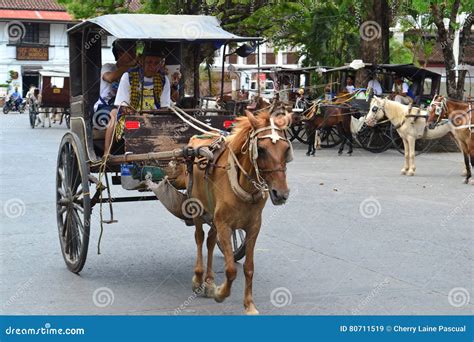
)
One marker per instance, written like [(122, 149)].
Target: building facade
[(33, 37)]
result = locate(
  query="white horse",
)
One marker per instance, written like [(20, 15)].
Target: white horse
[(410, 123)]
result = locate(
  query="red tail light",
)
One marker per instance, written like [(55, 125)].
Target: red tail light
[(228, 123), (132, 125)]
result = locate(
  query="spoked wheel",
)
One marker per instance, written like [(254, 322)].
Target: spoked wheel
[(330, 137), (375, 139), (421, 146), (238, 244), (73, 203), (298, 132)]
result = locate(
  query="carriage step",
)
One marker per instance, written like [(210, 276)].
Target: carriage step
[(109, 221)]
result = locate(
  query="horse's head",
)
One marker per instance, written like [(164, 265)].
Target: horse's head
[(270, 150), (436, 111), (376, 111)]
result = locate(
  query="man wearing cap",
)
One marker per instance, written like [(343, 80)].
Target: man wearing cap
[(400, 91), (142, 88), (110, 74)]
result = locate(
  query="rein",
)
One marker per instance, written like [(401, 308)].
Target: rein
[(260, 185)]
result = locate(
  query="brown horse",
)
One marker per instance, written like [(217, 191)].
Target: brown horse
[(326, 116), (459, 115), (251, 167)]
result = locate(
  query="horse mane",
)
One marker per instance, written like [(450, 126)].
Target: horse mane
[(241, 131), (397, 109)]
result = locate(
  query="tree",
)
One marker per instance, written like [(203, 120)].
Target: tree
[(438, 10)]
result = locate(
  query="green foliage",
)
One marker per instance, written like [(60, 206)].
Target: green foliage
[(82, 9), (400, 54)]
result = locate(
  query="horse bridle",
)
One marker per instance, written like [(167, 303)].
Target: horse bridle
[(439, 107), (375, 109), (252, 143)]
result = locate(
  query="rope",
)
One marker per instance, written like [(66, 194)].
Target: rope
[(192, 118), (173, 108)]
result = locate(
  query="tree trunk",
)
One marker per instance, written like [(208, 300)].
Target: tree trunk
[(374, 35)]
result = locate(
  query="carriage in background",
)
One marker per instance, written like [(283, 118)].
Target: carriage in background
[(424, 85), (54, 95), (154, 142)]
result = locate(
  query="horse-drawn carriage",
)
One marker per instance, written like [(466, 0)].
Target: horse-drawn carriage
[(53, 97), (423, 86), (154, 142)]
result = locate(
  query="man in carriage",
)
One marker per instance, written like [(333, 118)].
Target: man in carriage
[(144, 87)]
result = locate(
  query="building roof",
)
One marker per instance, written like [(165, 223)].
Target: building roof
[(40, 5), (35, 15)]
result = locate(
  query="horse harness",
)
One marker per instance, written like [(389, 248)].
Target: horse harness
[(375, 109), (233, 166), (442, 107)]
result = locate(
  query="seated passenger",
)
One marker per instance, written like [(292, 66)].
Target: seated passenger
[(142, 88), (400, 91), (374, 87), (110, 74), (350, 88)]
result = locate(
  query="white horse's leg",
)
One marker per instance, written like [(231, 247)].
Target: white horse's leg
[(405, 150), (411, 156), (317, 140)]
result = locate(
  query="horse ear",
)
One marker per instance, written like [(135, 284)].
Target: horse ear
[(252, 119)]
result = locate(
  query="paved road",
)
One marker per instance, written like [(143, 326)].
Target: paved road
[(354, 238)]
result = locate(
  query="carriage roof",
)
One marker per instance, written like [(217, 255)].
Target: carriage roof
[(405, 70), (195, 28)]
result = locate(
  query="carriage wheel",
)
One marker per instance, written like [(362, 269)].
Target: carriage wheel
[(330, 137), (238, 244), (73, 203), (298, 132), (375, 139), (421, 146)]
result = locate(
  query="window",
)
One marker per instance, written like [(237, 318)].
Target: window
[(232, 59), (290, 58), (427, 86), (35, 33), (57, 82), (251, 59), (269, 58)]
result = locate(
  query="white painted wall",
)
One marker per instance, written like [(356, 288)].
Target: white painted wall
[(58, 53)]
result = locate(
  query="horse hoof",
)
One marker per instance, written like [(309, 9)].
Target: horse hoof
[(349, 153), (339, 153), (403, 172), (307, 153), (197, 286), (252, 310), (210, 290), (218, 296), (410, 173)]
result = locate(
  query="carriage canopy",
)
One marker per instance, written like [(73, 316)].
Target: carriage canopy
[(167, 27)]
